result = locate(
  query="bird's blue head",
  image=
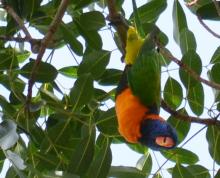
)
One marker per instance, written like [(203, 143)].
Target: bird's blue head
[(157, 134)]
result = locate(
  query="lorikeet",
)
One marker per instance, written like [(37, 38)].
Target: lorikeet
[(137, 110)]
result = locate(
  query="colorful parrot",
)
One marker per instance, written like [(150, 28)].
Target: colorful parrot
[(138, 96)]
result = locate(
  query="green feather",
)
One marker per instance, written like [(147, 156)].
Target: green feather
[(144, 75)]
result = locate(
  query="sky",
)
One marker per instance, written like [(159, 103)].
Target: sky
[(206, 45)]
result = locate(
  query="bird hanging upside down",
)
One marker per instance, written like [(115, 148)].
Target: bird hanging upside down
[(138, 112)]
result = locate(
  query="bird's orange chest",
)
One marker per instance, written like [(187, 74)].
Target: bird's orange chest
[(130, 112)]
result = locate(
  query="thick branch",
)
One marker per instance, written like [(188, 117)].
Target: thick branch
[(189, 70), (118, 22), (205, 121), (45, 42), (17, 19)]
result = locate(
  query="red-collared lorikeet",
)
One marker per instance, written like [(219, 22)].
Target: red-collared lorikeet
[(138, 96)]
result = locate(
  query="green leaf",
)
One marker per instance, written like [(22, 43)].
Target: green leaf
[(193, 61), (125, 172), (150, 11), (95, 63), (180, 155), (217, 175), (173, 93), (8, 134), (216, 56), (82, 91), (93, 20), (144, 77), (182, 127), (110, 77), (208, 11), (215, 72), (187, 41), (198, 171), (44, 73), (195, 98), (70, 71), (139, 148), (144, 164), (213, 138), (70, 38), (107, 123), (157, 176), (22, 56), (179, 20), (83, 154), (102, 161), (180, 171), (8, 59), (8, 110), (92, 37)]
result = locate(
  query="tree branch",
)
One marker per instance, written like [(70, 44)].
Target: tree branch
[(118, 22), (188, 69), (207, 28), (17, 19), (205, 121), (44, 43)]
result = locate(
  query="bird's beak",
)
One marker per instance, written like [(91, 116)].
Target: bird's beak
[(165, 141)]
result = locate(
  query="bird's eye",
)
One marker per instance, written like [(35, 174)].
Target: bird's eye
[(165, 141)]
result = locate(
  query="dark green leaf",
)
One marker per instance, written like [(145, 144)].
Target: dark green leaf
[(182, 127), (179, 20), (157, 176), (125, 172), (107, 123), (95, 63), (102, 161), (139, 148), (216, 56), (93, 20), (208, 11), (70, 38), (82, 91), (180, 155), (193, 61), (78, 4), (70, 71), (180, 171), (8, 59), (8, 110), (45, 72), (144, 164), (217, 175), (196, 98), (150, 11), (92, 37), (173, 93), (110, 77), (83, 154), (198, 171), (215, 73), (8, 134), (213, 138), (187, 41)]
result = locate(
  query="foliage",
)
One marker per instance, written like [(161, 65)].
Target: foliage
[(69, 132)]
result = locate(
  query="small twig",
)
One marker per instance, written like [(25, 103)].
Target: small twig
[(207, 28), (18, 20), (205, 121), (191, 3), (19, 39), (191, 72), (44, 43)]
